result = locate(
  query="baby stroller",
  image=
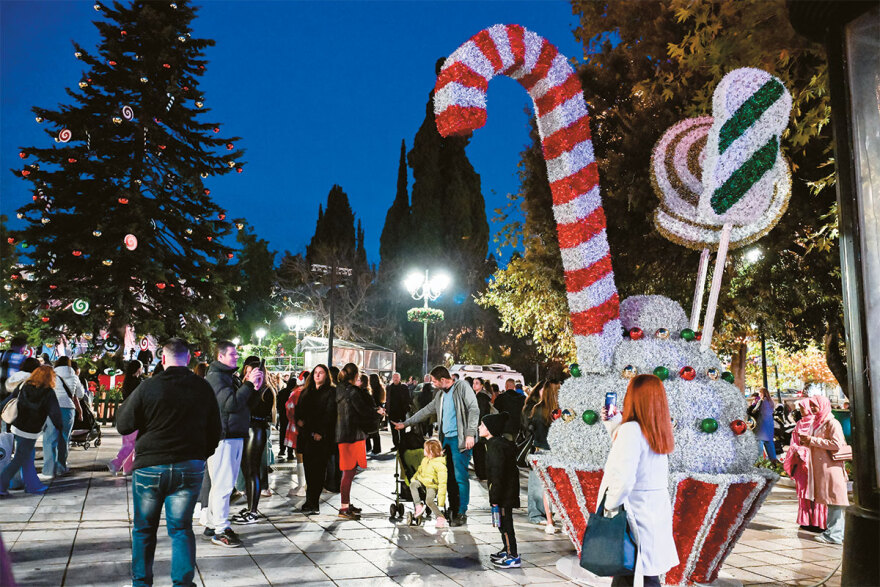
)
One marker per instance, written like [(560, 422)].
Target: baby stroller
[(409, 456), (86, 430)]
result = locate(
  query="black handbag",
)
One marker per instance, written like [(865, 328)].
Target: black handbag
[(609, 548)]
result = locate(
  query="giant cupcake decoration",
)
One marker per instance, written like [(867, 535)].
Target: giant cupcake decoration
[(714, 485)]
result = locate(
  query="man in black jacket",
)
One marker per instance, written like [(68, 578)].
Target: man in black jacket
[(511, 403), (398, 403), (235, 417), (178, 425)]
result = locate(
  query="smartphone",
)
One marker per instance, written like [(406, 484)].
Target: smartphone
[(610, 404)]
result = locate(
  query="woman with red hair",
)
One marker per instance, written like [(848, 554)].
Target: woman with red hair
[(636, 477)]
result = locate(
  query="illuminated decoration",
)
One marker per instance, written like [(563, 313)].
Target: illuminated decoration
[(688, 334), (64, 135), (425, 315), (131, 242), (127, 112), (80, 307), (728, 377), (738, 427), (568, 415)]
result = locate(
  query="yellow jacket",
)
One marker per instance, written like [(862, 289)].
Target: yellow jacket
[(432, 474)]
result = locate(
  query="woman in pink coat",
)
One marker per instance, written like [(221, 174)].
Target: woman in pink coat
[(811, 515), (826, 478)]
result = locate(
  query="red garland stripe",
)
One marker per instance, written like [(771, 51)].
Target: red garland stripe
[(542, 66), (568, 188), (561, 93), (565, 139), (753, 509), (593, 321), (487, 47), (716, 539), (460, 73), (460, 120), (516, 36), (692, 501), (582, 230), (562, 484), (590, 481), (577, 280)]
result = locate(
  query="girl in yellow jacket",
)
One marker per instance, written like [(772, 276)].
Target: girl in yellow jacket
[(431, 475)]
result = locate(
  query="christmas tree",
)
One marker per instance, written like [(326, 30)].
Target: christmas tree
[(122, 229)]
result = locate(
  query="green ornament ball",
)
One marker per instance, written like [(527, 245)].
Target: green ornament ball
[(727, 376), (575, 370), (688, 334), (590, 417), (709, 425), (662, 373)]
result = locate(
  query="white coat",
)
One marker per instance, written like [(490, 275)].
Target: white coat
[(73, 383), (637, 478)]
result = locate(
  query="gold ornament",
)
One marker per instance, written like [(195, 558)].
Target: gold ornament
[(231, 163), (144, 80), (189, 231), (111, 312), (45, 221), (662, 334), (752, 423), (117, 120), (83, 85), (221, 316), (199, 104), (77, 54), (39, 119), (107, 262), (567, 415), (239, 225), (182, 39), (96, 233), (204, 174), (713, 373), (19, 215), (629, 372)]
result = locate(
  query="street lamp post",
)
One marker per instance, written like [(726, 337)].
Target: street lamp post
[(261, 334), (427, 288), (297, 324), (333, 271)]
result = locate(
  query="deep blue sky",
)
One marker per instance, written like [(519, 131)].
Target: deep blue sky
[(320, 92)]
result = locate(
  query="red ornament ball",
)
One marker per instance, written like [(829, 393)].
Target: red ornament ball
[(123, 33), (216, 129), (239, 170), (111, 62), (687, 373), (161, 147), (207, 192), (25, 172), (166, 65), (202, 67), (123, 200), (161, 285), (23, 155), (229, 255), (10, 240), (636, 333), (210, 238), (53, 286), (71, 160), (229, 146), (45, 318), (198, 354), (77, 253), (699, 335), (738, 427), (556, 414), (221, 216)]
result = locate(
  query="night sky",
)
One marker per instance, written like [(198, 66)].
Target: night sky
[(320, 92)]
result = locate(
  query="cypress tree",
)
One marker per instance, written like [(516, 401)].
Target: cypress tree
[(128, 161), (335, 237), (397, 221)]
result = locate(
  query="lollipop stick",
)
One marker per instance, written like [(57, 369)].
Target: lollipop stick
[(697, 306), (709, 322)]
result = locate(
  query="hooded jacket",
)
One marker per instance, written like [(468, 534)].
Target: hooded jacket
[(232, 398), (501, 472)]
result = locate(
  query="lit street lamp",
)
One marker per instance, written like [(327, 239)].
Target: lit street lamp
[(425, 287), (297, 323), (261, 334)]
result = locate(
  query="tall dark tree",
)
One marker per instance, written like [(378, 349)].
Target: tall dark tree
[(129, 159), (9, 314), (252, 279), (335, 236), (397, 221)]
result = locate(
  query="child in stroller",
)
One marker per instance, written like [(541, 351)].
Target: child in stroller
[(430, 476), (86, 429)]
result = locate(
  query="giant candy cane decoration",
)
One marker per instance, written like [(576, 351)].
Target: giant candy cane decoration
[(564, 126)]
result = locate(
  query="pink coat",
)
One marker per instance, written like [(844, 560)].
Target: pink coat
[(826, 482)]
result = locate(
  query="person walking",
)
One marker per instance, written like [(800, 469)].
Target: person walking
[(56, 441), (10, 362), (124, 460), (36, 403), (484, 401), (637, 476), (260, 404), (398, 405), (315, 417), (284, 449), (538, 420), (431, 476), (456, 408), (232, 397), (377, 390), (503, 476), (763, 413), (826, 477), (511, 402), (291, 434), (356, 418), (811, 516), (177, 419)]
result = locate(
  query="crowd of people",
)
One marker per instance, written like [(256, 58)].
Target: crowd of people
[(195, 440)]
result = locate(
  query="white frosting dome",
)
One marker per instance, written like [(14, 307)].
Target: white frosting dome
[(690, 402)]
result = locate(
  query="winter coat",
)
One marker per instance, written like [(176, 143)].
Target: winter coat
[(467, 411), (512, 403), (356, 415), (260, 404), (67, 375), (502, 473), (826, 478), (539, 429), (432, 473), (232, 397), (35, 404), (398, 401), (316, 409)]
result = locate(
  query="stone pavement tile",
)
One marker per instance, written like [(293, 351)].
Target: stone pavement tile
[(322, 545), (344, 533), (232, 571), (747, 577), (337, 557), (738, 561), (778, 573), (811, 570), (372, 582), (434, 579), (360, 570), (66, 535), (827, 564), (767, 557), (12, 513), (99, 574), (45, 552), (528, 575), (283, 568), (206, 549), (380, 543), (450, 564), (38, 574)]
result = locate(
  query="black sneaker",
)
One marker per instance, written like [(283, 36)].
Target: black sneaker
[(347, 514), (227, 539), (208, 533), (309, 510), (245, 518), (498, 556), (356, 510), (459, 520)]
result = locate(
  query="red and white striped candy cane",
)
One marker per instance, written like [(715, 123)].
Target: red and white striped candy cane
[(564, 125)]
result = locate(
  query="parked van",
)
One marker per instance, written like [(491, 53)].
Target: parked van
[(494, 373)]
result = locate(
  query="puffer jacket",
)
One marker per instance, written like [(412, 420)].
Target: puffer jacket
[(35, 404), (355, 414), (232, 397), (432, 473), (502, 473)]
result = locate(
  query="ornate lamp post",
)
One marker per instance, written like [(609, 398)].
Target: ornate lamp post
[(425, 287), (260, 334), (297, 323)]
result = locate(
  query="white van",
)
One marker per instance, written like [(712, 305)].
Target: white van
[(494, 373)]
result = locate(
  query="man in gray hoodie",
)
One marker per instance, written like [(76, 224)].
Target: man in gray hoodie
[(458, 415)]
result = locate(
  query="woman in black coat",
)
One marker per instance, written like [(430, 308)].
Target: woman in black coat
[(377, 390), (315, 415)]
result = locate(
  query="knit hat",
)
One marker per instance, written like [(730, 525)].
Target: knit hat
[(495, 423)]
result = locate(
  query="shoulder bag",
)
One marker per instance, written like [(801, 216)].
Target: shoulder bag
[(10, 410), (608, 548)]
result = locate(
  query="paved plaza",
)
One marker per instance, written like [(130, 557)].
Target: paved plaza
[(78, 534)]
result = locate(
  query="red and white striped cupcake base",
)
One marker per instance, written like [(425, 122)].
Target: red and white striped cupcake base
[(709, 513)]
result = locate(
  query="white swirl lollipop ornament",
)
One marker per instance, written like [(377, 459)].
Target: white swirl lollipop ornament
[(127, 113), (131, 242), (64, 135), (80, 307)]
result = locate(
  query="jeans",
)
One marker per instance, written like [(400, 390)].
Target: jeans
[(536, 498), (834, 533), (224, 465), (23, 460), (460, 461), (770, 448), (176, 486), (55, 443)]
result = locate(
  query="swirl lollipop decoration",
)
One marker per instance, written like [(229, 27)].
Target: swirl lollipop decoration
[(131, 242), (65, 135), (563, 123), (127, 112), (80, 307)]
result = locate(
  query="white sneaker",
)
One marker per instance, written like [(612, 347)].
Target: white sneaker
[(550, 529), (45, 478), (301, 491), (197, 511)]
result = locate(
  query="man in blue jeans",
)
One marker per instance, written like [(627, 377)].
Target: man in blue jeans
[(458, 415), (178, 422)]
